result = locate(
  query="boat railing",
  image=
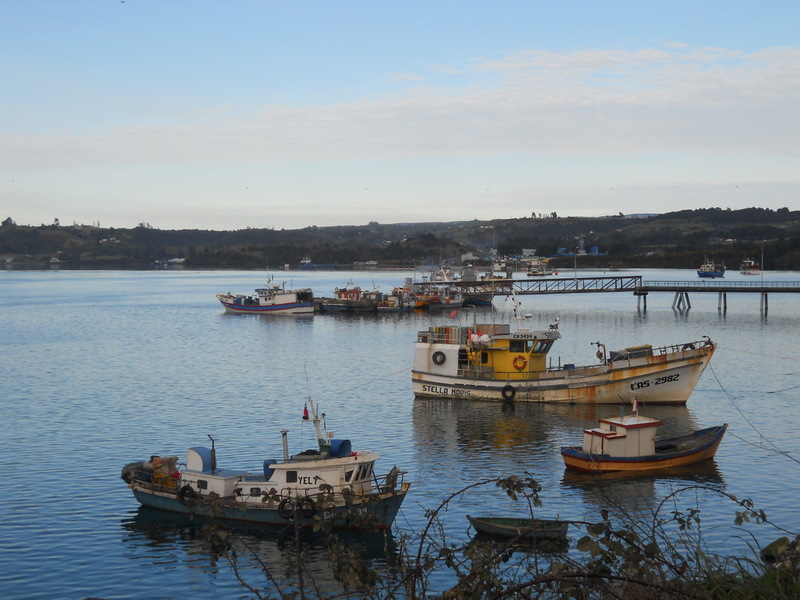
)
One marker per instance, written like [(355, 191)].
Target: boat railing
[(392, 481), (476, 371), (443, 335), (674, 348), (645, 351)]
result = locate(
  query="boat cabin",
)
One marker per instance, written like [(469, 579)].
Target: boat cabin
[(301, 475), (627, 436)]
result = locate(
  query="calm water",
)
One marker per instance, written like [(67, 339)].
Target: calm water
[(103, 368)]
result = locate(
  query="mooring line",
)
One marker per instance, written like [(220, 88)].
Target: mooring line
[(763, 437)]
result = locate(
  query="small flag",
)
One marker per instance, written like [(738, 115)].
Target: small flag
[(453, 314), (305, 412), (635, 405)]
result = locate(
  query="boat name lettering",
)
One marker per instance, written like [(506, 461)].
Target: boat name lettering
[(306, 480), (443, 391), (640, 385)]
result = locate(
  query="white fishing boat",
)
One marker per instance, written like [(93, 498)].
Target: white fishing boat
[(489, 361), (538, 267), (749, 267), (330, 483), (273, 299)]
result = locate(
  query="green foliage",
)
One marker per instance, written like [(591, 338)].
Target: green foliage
[(615, 556)]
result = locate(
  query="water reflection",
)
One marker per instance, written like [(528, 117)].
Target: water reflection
[(463, 425), (262, 554)]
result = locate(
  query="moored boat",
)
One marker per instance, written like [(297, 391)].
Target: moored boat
[(711, 269), (749, 267), (493, 362), (539, 267), (273, 299), (351, 298), (628, 444), (522, 528), (330, 483)]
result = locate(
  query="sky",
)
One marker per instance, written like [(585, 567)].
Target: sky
[(234, 114)]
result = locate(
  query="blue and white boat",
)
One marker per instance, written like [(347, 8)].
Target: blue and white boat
[(330, 484), (711, 269), (273, 299)]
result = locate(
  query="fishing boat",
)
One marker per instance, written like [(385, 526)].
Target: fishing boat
[(539, 267), (273, 299), (351, 298), (749, 267), (520, 528), (330, 483), (628, 444), (711, 269), (492, 361)]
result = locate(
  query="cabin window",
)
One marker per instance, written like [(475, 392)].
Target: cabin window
[(255, 491), (291, 476), (484, 358), (202, 484), (348, 474), (542, 346), (517, 346)]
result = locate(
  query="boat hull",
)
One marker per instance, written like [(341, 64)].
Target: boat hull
[(701, 445), (667, 378), (295, 308), (376, 510), (526, 529)]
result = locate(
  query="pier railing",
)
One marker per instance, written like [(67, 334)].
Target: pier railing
[(719, 286)]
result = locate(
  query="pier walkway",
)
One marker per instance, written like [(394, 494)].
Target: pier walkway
[(631, 283)]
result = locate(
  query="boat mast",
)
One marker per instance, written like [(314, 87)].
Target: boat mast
[(324, 445)]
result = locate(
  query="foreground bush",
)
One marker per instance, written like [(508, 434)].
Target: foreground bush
[(623, 556)]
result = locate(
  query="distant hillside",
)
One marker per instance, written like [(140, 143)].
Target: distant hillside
[(679, 239)]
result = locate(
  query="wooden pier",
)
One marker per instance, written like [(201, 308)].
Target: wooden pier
[(631, 283)]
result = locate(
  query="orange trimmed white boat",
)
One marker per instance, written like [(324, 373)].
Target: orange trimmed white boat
[(628, 444), (492, 361)]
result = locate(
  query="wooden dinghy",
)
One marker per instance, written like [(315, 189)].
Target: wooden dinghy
[(522, 528), (628, 444)]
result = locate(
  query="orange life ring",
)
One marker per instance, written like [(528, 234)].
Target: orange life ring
[(520, 362)]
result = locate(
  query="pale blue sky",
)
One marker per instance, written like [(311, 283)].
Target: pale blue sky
[(234, 114)]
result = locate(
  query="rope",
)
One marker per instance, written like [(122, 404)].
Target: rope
[(761, 435)]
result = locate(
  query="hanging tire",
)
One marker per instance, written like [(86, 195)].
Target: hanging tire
[(186, 494), (508, 393), (439, 357), (307, 507), (286, 508)]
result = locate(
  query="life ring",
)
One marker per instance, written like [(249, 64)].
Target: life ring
[(186, 494), (439, 357), (286, 508), (688, 347), (336, 289), (520, 362), (508, 393)]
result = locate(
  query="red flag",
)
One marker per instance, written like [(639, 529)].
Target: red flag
[(453, 314), (635, 405), (305, 412)]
